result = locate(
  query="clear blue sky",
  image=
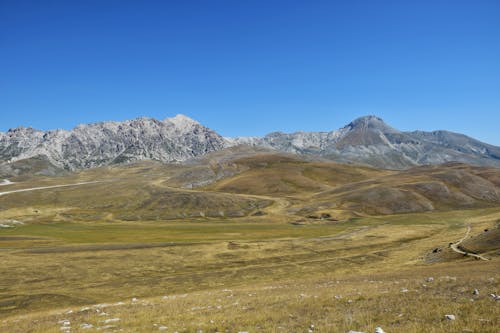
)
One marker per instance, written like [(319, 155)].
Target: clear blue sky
[(252, 67)]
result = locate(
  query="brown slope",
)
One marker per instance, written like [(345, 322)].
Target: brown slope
[(285, 175), (421, 189)]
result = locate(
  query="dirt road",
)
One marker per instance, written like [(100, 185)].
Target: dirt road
[(46, 187), (455, 246)]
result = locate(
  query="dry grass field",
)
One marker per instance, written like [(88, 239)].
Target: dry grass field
[(265, 244)]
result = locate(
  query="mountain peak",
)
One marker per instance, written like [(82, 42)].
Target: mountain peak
[(367, 120), (370, 122), (181, 119), (368, 140)]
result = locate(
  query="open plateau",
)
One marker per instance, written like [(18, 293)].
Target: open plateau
[(166, 226)]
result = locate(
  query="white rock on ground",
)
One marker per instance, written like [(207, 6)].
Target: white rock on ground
[(450, 317), (112, 320), (106, 327), (379, 330)]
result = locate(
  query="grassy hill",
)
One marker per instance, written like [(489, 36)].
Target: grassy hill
[(250, 240)]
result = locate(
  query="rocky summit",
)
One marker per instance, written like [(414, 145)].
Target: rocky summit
[(173, 139), (367, 140)]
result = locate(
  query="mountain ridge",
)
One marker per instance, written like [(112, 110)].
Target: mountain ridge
[(366, 140)]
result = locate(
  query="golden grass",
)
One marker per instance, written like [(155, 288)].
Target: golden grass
[(275, 263), (398, 301), (136, 236)]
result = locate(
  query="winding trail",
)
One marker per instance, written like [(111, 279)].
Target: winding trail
[(278, 206), (455, 246), (47, 187)]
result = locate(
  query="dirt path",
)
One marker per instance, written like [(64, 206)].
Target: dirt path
[(278, 207), (455, 246), (47, 187)]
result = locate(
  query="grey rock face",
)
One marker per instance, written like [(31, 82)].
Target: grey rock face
[(174, 139), (366, 140)]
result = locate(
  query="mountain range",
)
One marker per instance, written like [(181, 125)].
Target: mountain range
[(367, 140)]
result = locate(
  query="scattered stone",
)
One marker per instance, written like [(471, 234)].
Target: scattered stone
[(475, 292), (448, 278), (6, 182), (101, 306), (379, 330), (107, 327), (64, 322), (112, 320), (495, 297), (163, 328), (85, 326), (450, 317), (429, 279), (10, 223), (404, 290)]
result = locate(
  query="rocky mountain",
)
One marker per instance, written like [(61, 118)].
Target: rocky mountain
[(366, 140), (173, 139)]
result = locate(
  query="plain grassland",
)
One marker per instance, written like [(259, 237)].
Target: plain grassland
[(73, 265), (250, 252)]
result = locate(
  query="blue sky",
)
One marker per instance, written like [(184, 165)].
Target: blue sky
[(253, 67)]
